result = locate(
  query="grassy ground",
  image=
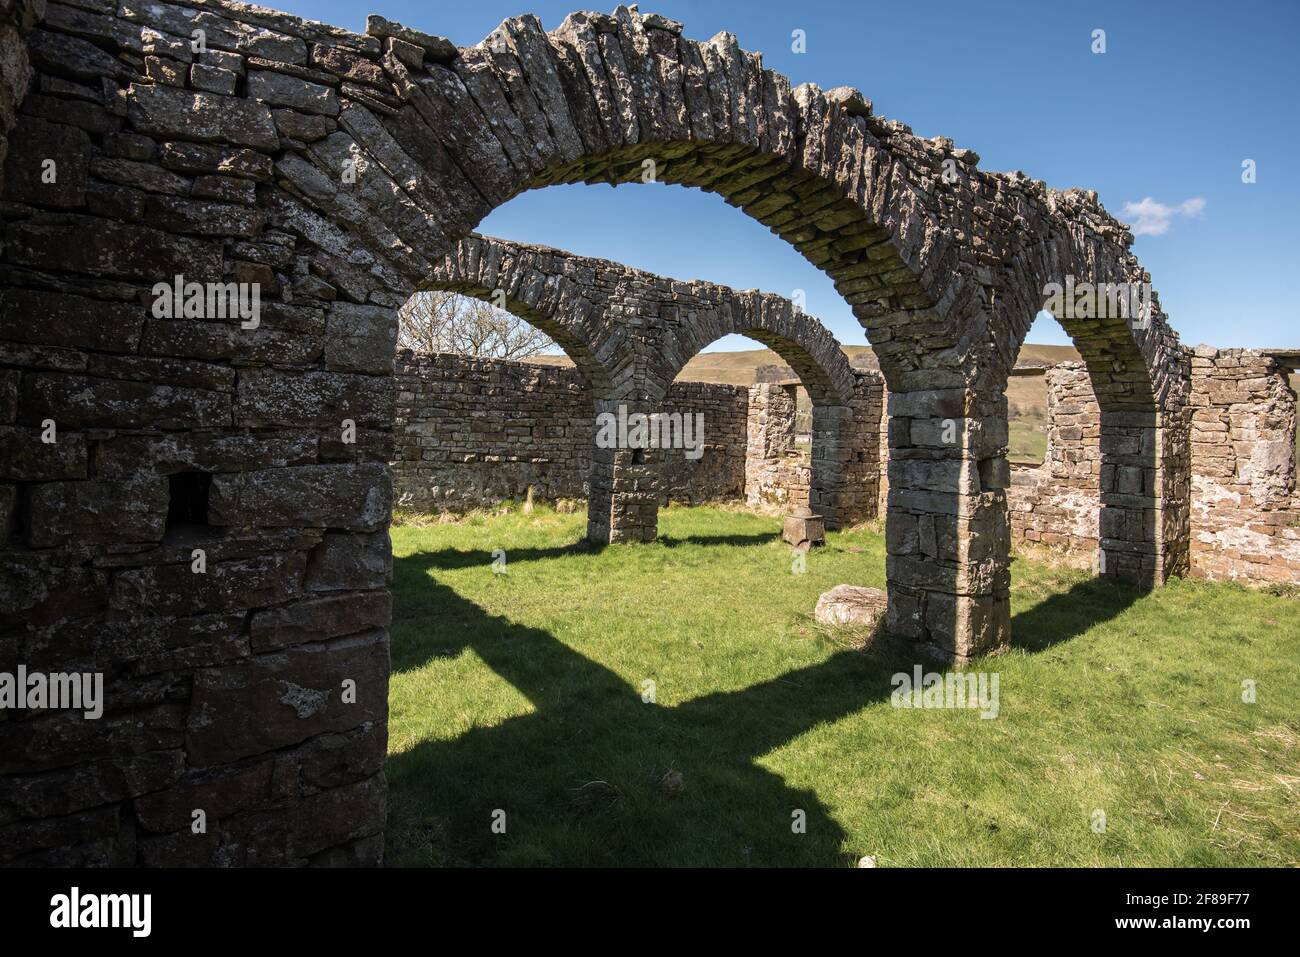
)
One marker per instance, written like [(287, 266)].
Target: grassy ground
[(1028, 441), (522, 693)]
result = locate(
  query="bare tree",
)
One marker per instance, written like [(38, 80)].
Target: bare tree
[(438, 321)]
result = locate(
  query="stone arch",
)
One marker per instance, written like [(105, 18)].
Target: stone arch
[(535, 283), (1140, 374), (631, 333), (842, 481), (933, 254)]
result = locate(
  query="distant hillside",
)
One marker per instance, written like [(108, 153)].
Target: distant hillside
[(741, 368)]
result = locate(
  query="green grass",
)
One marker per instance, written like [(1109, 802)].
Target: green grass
[(523, 692), (1028, 441)]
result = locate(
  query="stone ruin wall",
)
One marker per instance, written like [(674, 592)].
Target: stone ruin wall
[(847, 442), (473, 432), (718, 474), (1244, 494), (223, 686), (777, 474), (1057, 502), (178, 436), (1245, 509)]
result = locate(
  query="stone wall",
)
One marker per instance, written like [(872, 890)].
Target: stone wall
[(17, 17), (187, 511), (1245, 510), (1057, 502), (718, 474), (473, 432), (840, 477), (777, 472)]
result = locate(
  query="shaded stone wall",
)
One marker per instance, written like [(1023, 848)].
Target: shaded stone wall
[(16, 18), (472, 432), (1057, 503), (1245, 510), (186, 512)]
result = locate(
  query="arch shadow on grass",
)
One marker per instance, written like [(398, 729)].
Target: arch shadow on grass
[(586, 779)]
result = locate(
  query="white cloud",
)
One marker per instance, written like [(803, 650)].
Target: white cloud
[(1149, 218)]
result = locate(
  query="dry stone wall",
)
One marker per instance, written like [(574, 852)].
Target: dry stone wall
[(1057, 503), (1245, 510), (630, 334), (186, 513), (839, 475), (719, 473), (777, 473), (473, 432)]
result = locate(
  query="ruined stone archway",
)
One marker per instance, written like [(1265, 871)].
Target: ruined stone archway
[(631, 333), (333, 171)]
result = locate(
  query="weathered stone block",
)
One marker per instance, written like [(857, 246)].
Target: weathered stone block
[(166, 112), (275, 700), (356, 496), (803, 529), (439, 49), (225, 586), (360, 338), (213, 79), (203, 218), (81, 401), (343, 561), (36, 316), (201, 158), (319, 619), (271, 397), (98, 247), (88, 513), (278, 89), (25, 457), (852, 605), (47, 165)]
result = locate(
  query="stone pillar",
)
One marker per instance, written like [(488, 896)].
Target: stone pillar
[(1056, 503), (861, 431), (832, 426), (947, 533), (623, 500), (774, 474)]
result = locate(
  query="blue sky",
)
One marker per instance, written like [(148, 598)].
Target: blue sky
[(1183, 94)]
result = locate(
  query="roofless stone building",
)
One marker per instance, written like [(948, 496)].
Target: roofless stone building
[(183, 508)]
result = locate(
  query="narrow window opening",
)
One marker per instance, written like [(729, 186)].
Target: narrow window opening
[(187, 499)]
